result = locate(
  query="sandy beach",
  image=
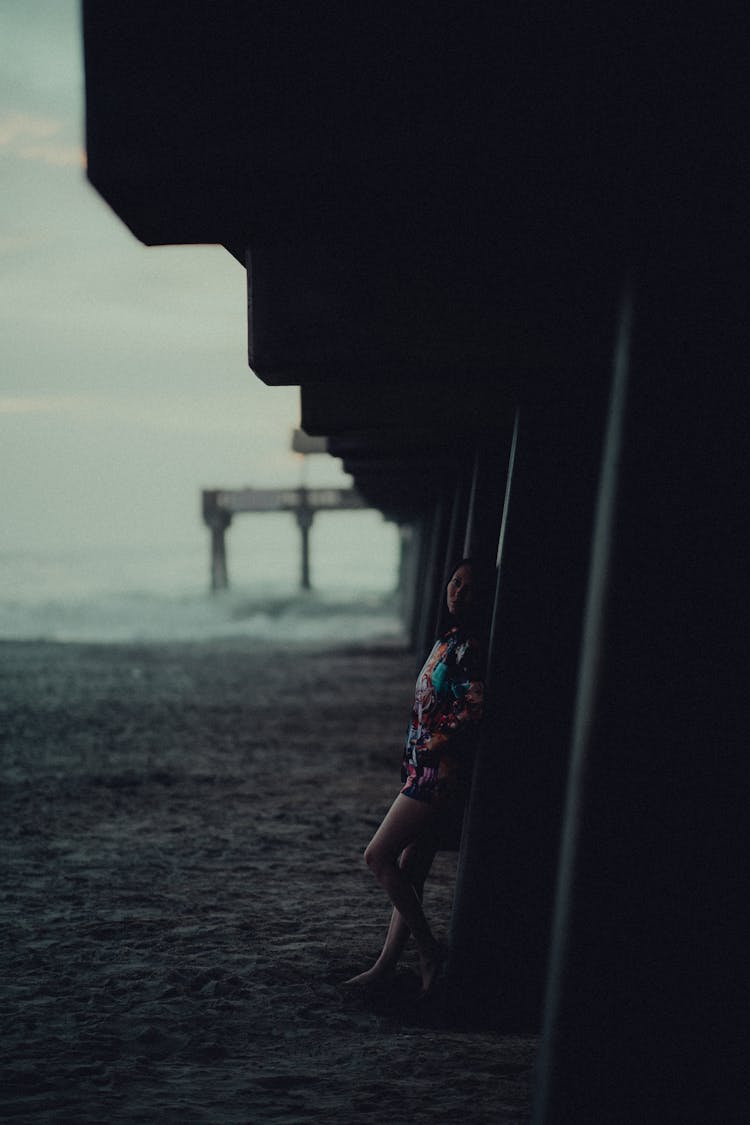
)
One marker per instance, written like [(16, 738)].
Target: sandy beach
[(183, 892)]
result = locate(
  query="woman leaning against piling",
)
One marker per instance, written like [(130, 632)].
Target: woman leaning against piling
[(435, 774)]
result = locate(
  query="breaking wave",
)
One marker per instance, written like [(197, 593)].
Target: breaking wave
[(142, 617), (140, 597)]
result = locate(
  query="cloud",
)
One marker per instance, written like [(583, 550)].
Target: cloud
[(60, 156), (32, 136), (12, 242), (27, 405), (198, 414), (16, 126)]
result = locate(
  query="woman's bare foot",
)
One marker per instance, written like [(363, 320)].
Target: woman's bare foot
[(431, 968), (372, 978)]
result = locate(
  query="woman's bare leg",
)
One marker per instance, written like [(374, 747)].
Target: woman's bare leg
[(416, 861), (405, 822)]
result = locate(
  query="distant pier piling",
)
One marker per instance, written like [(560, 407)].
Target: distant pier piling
[(217, 520), (304, 523)]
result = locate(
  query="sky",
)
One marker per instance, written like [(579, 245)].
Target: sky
[(124, 383)]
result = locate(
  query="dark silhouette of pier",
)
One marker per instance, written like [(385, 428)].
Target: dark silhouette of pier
[(503, 252)]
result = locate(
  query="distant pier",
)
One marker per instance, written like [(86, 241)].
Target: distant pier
[(220, 505)]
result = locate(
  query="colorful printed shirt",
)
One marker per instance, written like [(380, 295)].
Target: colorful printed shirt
[(447, 708)]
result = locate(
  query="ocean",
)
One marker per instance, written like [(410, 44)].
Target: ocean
[(160, 592)]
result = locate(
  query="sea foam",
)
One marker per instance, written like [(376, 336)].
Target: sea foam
[(140, 594)]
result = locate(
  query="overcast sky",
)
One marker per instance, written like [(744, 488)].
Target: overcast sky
[(124, 385)]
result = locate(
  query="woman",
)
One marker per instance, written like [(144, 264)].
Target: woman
[(435, 773)]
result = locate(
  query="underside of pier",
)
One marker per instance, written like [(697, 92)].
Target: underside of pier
[(502, 251)]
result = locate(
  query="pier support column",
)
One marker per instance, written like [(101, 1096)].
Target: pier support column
[(219, 574), (421, 544), (430, 576), (505, 886), (454, 537), (646, 1010), (304, 516), (407, 565), (217, 520)]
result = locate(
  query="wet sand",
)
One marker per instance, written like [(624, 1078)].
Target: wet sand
[(183, 892)]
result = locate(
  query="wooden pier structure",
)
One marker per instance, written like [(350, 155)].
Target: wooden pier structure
[(221, 505), (503, 251)]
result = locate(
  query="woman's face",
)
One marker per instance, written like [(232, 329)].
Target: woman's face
[(460, 592)]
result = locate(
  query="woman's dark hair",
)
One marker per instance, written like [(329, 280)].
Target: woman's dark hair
[(461, 562), (483, 589)]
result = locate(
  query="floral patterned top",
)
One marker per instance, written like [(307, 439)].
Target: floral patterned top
[(447, 708)]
